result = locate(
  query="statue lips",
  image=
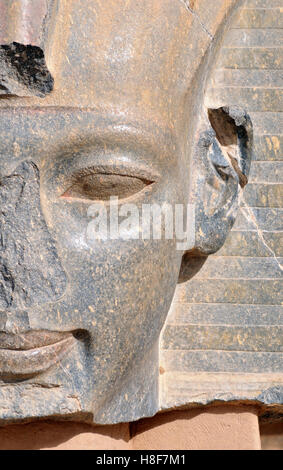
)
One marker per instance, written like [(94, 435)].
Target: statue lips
[(24, 355)]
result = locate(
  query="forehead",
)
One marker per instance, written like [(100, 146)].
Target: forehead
[(117, 64), (123, 54), (128, 51), (52, 133)]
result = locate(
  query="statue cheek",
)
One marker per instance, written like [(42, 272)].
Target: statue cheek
[(30, 269)]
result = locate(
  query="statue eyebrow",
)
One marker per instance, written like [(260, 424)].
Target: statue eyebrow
[(125, 169), (94, 158), (148, 139), (61, 130)]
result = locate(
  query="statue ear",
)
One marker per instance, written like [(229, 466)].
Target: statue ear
[(221, 161)]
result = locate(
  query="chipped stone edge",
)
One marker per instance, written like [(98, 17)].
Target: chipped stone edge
[(269, 403)]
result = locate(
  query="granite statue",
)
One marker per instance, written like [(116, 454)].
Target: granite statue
[(104, 100)]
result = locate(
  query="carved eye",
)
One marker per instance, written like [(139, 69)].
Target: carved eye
[(100, 186)]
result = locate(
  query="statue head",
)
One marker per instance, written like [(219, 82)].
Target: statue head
[(86, 276)]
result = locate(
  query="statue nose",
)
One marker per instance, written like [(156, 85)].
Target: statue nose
[(30, 269)]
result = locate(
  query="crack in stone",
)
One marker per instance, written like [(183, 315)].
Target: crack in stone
[(251, 217), (186, 4), (30, 385), (76, 398)]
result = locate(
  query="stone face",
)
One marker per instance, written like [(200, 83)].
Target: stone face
[(141, 112), (129, 80)]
